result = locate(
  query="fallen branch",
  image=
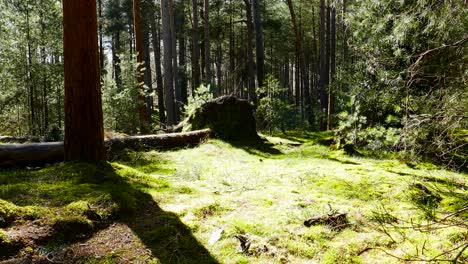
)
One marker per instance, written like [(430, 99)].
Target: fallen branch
[(335, 220)]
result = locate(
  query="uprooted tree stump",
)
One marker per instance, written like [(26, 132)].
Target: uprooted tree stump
[(334, 220), (229, 117), (42, 153)]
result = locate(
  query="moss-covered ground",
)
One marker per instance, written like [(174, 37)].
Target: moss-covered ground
[(163, 207)]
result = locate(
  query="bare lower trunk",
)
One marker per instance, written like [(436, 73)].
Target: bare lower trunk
[(84, 132)]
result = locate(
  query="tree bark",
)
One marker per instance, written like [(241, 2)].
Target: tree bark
[(143, 114), (101, 46), (250, 62), (182, 59), (195, 48), (206, 27), (260, 52), (303, 67), (116, 60), (155, 33), (331, 98), (147, 58), (41, 153), (323, 59), (175, 65), (168, 66), (84, 132)]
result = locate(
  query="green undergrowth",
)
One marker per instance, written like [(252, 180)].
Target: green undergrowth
[(262, 191)]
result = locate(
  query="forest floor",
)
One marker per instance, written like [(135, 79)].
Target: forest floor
[(235, 203)]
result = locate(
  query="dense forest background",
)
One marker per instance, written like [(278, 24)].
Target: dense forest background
[(384, 75)]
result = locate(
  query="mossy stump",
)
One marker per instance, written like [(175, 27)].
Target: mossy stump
[(229, 117)]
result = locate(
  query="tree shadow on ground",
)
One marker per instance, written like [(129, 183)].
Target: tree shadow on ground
[(261, 147), (102, 187), (322, 138)]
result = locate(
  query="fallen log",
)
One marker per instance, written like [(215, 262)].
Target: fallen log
[(51, 152)]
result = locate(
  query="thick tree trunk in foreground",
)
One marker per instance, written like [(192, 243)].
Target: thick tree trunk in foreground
[(42, 153), (84, 132)]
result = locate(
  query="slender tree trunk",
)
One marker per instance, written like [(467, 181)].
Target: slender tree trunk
[(130, 32), (143, 114), (147, 5), (206, 23), (297, 82), (175, 65), (182, 59), (116, 60), (101, 46), (32, 115), (195, 48), (323, 61), (84, 132), (155, 33), (260, 52), (331, 98), (303, 67), (219, 73), (232, 59), (250, 56), (168, 66), (345, 35)]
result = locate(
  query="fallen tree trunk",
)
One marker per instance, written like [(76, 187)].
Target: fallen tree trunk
[(42, 153)]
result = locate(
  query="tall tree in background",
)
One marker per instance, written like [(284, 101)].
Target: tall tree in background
[(250, 60), (206, 28), (168, 63), (156, 37), (84, 132), (101, 45), (175, 65), (144, 120), (302, 67), (332, 87), (323, 62), (260, 52), (195, 47)]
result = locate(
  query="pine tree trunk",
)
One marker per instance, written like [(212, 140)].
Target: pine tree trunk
[(260, 52), (182, 60), (143, 114), (168, 66), (323, 60), (250, 61), (101, 46), (206, 27), (175, 65), (232, 59), (303, 67), (195, 48), (331, 98), (116, 60), (84, 132), (155, 33), (147, 58)]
